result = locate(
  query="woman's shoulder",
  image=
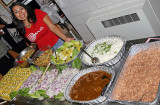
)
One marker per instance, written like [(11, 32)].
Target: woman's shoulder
[(37, 10), (40, 13)]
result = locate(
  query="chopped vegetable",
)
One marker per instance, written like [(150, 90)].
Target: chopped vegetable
[(32, 79), (76, 63), (59, 96), (59, 84), (13, 94), (44, 59), (46, 81), (24, 92), (61, 67), (39, 93), (43, 68), (102, 48), (67, 52), (32, 68)]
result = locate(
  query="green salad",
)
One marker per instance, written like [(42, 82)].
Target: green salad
[(66, 52)]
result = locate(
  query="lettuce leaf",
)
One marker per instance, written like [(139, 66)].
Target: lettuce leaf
[(59, 96), (24, 92), (67, 44), (13, 94), (39, 93), (75, 52), (32, 68), (61, 67), (76, 63), (43, 68)]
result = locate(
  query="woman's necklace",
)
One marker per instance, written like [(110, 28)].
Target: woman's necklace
[(27, 25)]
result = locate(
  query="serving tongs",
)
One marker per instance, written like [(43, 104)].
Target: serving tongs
[(105, 87)]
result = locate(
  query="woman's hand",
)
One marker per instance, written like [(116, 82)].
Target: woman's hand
[(68, 39), (1, 32), (2, 26)]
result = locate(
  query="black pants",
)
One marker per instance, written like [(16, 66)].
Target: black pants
[(6, 63)]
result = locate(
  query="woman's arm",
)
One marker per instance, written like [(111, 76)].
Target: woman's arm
[(12, 25), (55, 30)]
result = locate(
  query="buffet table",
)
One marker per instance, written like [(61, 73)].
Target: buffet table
[(117, 67)]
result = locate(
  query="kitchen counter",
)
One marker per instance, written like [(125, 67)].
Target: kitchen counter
[(117, 67)]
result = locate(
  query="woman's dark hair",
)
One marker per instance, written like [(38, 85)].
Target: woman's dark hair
[(31, 17)]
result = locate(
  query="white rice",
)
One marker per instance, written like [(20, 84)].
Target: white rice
[(116, 46)]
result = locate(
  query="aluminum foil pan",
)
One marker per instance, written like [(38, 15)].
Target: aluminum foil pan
[(83, 72), (132, 51), (109, 62)]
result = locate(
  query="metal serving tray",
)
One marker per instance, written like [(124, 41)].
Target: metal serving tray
[(132, 51), (113, 60), (83, 72)]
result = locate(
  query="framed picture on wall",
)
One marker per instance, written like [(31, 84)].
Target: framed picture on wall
[(6, 2)]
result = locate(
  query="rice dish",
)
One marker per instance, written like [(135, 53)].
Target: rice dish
[(104, 49), (140, 75)]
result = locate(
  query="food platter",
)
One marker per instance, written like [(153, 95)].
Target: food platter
[(107, 99), (147, 88), (70, 49), (42, 56), (31, 49), (108, 50), (83, 72)]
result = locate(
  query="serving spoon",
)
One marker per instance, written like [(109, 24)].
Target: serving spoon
[(93, 59), (105, 87)]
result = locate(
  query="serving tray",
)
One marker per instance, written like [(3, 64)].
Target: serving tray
[(83, 72), (113, 60)]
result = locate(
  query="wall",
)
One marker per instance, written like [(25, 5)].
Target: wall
[(4, 9), (1, 8), (78, 12)]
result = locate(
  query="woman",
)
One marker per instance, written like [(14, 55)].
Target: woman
[(37, 26)]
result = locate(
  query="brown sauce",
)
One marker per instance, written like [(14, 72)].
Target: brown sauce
[(89, 86)]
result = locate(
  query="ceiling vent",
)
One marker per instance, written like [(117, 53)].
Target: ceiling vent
[(120, 20)]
